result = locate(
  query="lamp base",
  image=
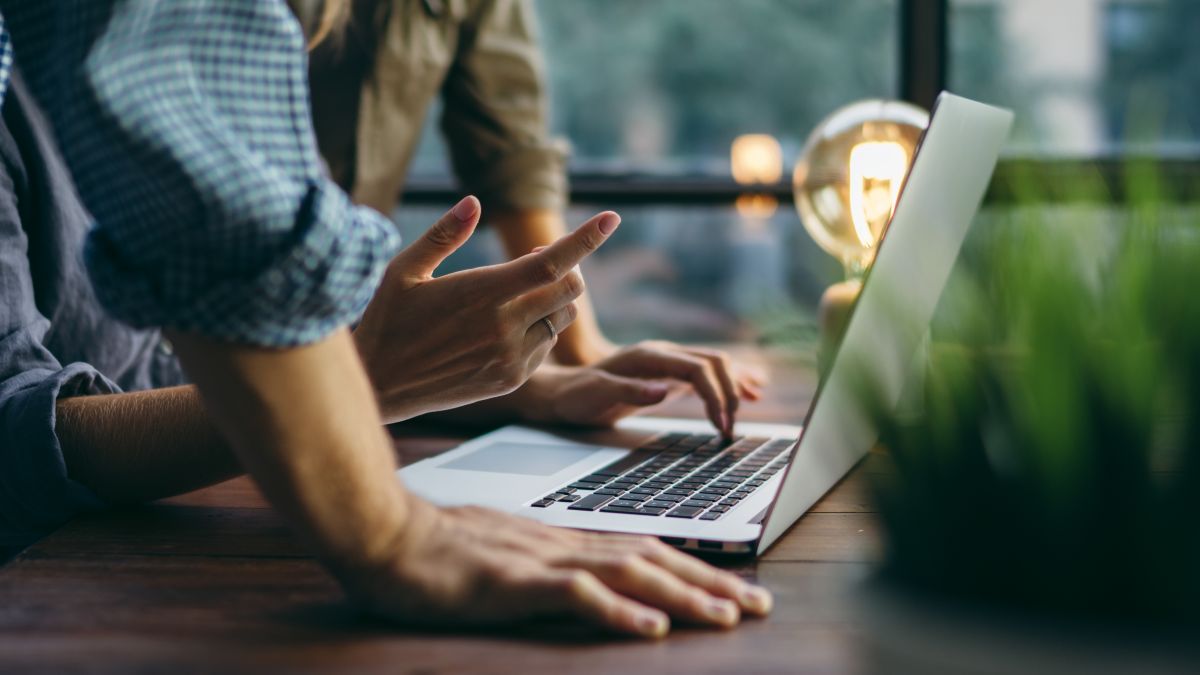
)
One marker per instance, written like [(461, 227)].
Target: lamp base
[(832, 315)]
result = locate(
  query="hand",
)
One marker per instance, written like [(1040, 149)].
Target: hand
[(631, 379), (709, 372), (473, 566), (583, 344), (431, 344)]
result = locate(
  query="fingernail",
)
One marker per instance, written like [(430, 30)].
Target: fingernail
[(609, 222), (655, 392), (723, 611), (653, 624), (757, 599), (465, 209)]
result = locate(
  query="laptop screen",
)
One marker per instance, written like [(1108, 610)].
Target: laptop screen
[(951, 170)]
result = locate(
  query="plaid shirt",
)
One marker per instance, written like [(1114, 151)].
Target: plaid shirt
[(186, 125)]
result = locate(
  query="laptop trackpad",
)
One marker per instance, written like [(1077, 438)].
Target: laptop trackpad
[(528, 459)]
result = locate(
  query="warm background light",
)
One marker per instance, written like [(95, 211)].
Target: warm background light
[(850, 175), (756, 209), (756, 159)]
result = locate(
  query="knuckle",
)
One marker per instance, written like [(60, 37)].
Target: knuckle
[(627, 565), (440, 235), (651, 548), (570, 312), (573, 284), (590, 239), (577, 583), (544, 270)]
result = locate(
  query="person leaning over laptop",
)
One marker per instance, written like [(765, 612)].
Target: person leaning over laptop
[(374, 81), (213, 221)]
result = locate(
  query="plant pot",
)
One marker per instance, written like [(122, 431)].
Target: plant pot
[(911, 633)]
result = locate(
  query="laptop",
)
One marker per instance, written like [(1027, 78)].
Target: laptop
[(681, 482)]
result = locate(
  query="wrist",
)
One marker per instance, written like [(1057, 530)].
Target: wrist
[(534, 400), (368, 571)]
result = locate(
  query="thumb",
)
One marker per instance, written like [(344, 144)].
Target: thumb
[(616, 390), (450, 232)]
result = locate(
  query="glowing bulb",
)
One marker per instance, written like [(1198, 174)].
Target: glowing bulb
[(850, 175), (756, 159), (877, 171)]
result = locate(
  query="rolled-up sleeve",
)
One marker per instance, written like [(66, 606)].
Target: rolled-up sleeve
[(36, 492), (186, 125), (495, 113)]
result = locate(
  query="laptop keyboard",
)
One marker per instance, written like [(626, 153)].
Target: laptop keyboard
[(678, 476)]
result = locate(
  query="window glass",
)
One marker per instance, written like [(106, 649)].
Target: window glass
[(664, 87), (1087, 77)]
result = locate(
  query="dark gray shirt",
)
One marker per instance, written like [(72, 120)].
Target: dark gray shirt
[(55, 340)]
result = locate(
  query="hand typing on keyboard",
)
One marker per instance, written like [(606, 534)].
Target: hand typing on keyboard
[(634, 377)]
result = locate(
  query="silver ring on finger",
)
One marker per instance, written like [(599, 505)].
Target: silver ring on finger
[(550, 327)]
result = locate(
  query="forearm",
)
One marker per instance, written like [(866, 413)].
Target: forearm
[(523, 230), (142, 446), (304, 424)]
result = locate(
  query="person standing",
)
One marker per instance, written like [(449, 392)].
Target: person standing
[(187, 131)]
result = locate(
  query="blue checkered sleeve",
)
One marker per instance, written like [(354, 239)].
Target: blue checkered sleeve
[(186, 125)]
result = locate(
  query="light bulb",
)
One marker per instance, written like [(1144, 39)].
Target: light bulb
[(849, 177)]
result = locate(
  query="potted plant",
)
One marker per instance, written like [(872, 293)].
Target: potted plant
[(1041, 507)]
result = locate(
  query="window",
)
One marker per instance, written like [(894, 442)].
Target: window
[(680, 79), (1088, 78), (651, 93)]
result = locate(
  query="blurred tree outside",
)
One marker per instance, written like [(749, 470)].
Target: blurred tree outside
[(666, 86), (1154, 73)]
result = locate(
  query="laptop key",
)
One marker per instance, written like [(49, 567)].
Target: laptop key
[(542, 503), (650, 511), (711, 516), (612, 508), (671, 498), (581, 485), (659, 504), (634, 497), (719, 509), (697, 504), (590, 502), (611, 492), (627, 503), (569, 498), (684, 512)]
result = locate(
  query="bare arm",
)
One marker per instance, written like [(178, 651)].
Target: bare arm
[(141, 446), (302, 421), (523, 230), (304, 424)]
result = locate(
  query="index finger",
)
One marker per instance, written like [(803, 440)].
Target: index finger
[(543, 267)]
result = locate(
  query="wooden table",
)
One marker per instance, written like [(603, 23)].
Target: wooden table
[(214, 581)]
